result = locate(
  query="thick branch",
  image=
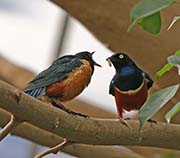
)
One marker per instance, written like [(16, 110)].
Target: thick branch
[(46, 138), (86, 130)]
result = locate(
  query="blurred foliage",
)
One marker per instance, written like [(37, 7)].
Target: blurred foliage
[(156, 102), (146, 13), (171, 154)]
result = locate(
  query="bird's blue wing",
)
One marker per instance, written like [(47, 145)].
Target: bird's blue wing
[(148, 78)]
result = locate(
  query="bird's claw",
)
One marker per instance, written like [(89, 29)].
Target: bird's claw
[(152, 121), (62, 107), (124, 122), (77, 114)]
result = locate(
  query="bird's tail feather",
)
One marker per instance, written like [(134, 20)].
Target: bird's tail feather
[(38, 92)]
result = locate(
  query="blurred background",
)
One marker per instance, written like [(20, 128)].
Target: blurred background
[(34, 33)]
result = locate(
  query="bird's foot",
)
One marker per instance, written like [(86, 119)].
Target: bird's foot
[(127, 118), (62, 107), (77, 114), (124, 122), (152, 121)]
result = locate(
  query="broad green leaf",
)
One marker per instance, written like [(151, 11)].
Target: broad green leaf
[(156, 102), (173, 112), (162, 71), (175, 60), (175, 19), (146, 8), (152, 23)]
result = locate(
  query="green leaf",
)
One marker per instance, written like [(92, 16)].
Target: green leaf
[(170, 154), (156, 102), (162, 71), (173, 112), (167, 67), (146, 8), (175, 19), (175, 60), (152, 23), (177, 52)]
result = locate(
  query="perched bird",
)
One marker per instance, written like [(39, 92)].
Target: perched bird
[(65, 79), (129, 85)]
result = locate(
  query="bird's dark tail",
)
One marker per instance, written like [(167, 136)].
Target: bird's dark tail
[(38, 92)]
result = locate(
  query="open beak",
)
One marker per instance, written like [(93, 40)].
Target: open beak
[(92, 53), (96, 64), (109, 61)]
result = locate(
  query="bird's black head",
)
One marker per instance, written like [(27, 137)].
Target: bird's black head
[(87, 56), (120, 60)]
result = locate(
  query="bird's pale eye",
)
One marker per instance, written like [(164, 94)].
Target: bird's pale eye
[(121, 56)]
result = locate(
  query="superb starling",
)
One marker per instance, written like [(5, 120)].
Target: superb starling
[(129, 85), (65, 79)]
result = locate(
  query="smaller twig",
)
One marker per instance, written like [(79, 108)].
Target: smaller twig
[(53, 150), (8, 128)]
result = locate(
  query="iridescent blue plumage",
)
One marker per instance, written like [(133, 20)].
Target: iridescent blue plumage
[(128, 76), (129, 84)]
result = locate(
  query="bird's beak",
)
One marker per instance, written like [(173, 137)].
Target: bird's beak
[(109, 61), (96, 64), (92, 53)]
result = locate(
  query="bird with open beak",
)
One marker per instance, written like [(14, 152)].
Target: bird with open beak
[(129, 85)]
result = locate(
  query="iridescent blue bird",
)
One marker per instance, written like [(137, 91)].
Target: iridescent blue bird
[(129, 85)]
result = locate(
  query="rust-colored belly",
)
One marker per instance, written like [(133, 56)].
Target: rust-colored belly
[(75, 83), (132, 100)]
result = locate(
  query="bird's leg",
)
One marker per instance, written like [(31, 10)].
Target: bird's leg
[(152, 121), (57, 104)]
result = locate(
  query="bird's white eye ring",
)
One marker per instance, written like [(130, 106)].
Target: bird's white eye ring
[(121, 56)]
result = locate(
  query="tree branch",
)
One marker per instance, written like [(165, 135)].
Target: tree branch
[(86, 130), (9, 126), (46, 138), (9, 69), (54, 149)]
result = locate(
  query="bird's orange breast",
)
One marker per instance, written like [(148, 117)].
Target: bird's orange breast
[(133, 99), (76, 81)]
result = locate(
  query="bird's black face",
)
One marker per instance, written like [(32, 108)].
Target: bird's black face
[(119, 60), (87, 56)]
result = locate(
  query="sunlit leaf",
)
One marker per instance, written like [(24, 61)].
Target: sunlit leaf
[(146, 8), (173, 112), (152, 23), (175, 60), (156, 102), (162, 71), (175, 19), (177, 52)]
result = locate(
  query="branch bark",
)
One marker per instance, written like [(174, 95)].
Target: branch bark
[(46, 138), (86, 130)]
